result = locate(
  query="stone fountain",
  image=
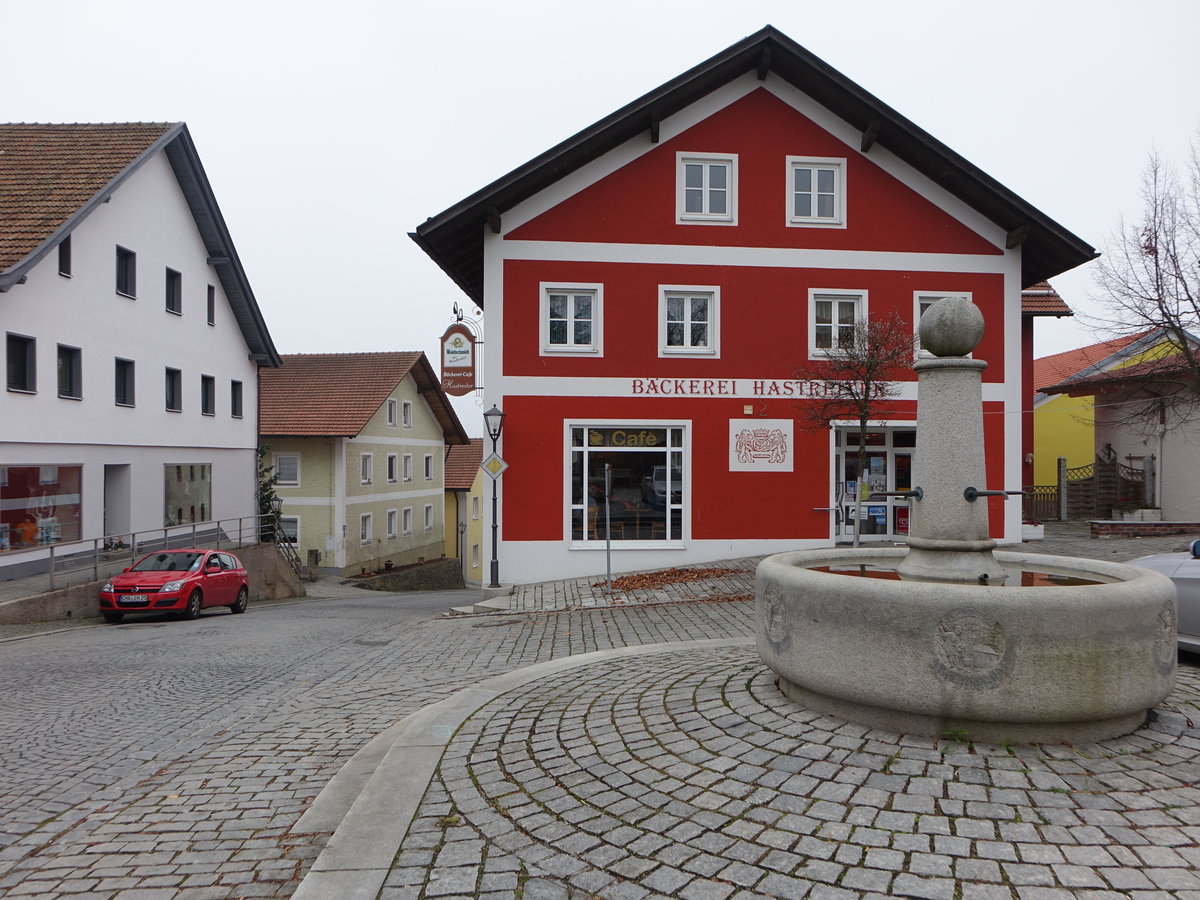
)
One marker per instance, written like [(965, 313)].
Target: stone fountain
[(949, 637)]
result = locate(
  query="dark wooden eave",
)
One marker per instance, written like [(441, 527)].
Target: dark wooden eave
[(454, 238)]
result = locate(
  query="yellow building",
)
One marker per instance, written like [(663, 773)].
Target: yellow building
[(464, 509), (358, 442), (1064, 425)]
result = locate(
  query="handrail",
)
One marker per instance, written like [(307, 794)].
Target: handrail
[(101, 557)]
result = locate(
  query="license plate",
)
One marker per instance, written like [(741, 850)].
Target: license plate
[(134, 600)]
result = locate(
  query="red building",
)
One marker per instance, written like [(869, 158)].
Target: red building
[(652, 285)]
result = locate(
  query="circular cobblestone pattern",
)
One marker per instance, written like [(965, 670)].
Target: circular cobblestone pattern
[(688, 775)]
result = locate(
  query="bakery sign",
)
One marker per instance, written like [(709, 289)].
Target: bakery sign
[(458, 360), (760, 445)]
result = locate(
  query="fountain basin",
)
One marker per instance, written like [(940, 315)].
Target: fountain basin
[(1045, 664)]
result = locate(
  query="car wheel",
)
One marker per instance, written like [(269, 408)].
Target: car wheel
[(193, 605), (239, 606), (112, 618)]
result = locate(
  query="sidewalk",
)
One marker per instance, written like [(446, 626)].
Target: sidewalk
[(678, 770)]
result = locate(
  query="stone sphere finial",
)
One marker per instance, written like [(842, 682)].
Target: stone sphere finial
[(953, 326)]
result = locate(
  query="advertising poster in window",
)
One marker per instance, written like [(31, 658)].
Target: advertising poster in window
[(760, 445), (39, 505)]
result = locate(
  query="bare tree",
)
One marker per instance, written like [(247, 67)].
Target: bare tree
[(856, 377), (1150, 281)]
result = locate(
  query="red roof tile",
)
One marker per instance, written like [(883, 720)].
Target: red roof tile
[(1171, 368), (1043, 300), (1060, 366), (47, 172), (335, 394), (462, 464)]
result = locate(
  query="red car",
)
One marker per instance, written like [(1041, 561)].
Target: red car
[(182, 581)]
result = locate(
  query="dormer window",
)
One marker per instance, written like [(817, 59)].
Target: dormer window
[(706, 189), (816, 192)]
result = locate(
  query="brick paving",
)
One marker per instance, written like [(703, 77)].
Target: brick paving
[(171, 760)]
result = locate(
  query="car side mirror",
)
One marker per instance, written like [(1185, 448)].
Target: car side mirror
[(126, 569), (1195, 549)]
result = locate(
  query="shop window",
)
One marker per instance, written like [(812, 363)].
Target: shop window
[(39, 505), (705, 190), (816, 192), (833, 319), (21, 360), (688, 321), (627, 484), (187, 493), (571, 320)]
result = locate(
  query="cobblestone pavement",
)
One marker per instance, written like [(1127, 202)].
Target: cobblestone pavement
[(165, 759), (689, 775)]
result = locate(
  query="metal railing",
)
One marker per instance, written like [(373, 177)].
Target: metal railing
[(78, 562)]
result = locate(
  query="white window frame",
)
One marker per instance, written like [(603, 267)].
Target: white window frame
[(391, 524), (835, 295), (393, 468), (474, 507), (406, 414), (710, 292), (429, 517), (596, 347), (366, 468), (275, 462), (920, 297), (296, 519), (474, 556), (838, 219), (428, 467), (406, 471), (682, 216), (391, 412), (407, 520), (365, 529)]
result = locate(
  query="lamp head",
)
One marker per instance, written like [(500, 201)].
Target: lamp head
[(493, 420)]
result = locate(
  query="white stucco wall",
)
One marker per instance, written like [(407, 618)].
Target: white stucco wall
[(149, 216)]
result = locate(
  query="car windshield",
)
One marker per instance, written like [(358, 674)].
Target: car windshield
[(168, 562)]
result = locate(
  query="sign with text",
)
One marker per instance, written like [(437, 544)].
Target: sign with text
[(458, 360)]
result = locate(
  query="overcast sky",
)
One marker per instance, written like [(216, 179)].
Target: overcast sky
[(331, 128)]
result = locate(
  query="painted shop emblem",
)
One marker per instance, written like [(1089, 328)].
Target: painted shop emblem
[(761, 443)]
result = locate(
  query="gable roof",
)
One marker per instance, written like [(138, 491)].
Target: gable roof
[(1043, 300), (462, 464), (336, 394), (1082, 360), (454, 237), (52, 177), (1165, 369)]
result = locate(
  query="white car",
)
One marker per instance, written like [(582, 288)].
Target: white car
[(1184, 570)]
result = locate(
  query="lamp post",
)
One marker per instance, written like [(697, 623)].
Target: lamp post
[(493, 420), (276, 503)]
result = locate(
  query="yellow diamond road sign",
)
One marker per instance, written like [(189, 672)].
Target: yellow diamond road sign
[(494, 466)]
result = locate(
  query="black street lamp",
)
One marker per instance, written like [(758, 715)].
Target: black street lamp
[(276, 504), (493, 420)]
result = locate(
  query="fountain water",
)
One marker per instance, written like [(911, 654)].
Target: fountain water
[(944, 647)]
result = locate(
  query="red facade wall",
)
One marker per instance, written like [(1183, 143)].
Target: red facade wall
[(636, 204)]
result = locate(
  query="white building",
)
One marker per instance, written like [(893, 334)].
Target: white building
[(133, 342)]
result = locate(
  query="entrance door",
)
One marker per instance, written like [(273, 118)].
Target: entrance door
[(887, 467), (117, 491)]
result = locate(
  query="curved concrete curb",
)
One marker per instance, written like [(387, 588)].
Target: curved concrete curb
[(377, 793)]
